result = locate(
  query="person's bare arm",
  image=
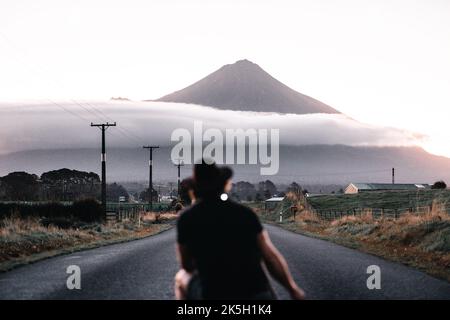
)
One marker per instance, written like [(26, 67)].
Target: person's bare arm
[(277, 266), (185, 258)]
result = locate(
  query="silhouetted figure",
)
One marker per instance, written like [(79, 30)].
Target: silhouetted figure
[(221, 246)]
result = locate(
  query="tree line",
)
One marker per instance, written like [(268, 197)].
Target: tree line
[(56, 185)]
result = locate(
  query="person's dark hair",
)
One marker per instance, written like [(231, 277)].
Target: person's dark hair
[(210, 179)]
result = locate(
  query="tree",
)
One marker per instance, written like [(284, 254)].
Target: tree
[(267, 188), (439, 185), (70, 185), (114, 191), (145, 195), (244, 190), (67, 174), (294, 187), (20, 186)]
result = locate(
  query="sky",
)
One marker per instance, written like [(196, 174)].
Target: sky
[(380, 62)]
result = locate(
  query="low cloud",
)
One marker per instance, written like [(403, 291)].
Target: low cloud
[(30, 126)]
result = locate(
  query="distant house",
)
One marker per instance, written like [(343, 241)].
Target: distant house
[(313, 195), (367, 187), (272, 202)]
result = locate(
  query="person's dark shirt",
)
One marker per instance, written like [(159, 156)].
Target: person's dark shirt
[(221, 236)]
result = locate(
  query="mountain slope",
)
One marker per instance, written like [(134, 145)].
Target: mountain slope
[(245, 86)]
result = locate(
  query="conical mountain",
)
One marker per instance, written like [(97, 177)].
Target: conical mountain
[(245, 86)]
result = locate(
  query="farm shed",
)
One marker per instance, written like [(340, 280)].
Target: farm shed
[(271, 203), (353, 188)]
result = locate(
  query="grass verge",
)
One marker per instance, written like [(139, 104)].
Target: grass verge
[(420, 241), (24, 241)]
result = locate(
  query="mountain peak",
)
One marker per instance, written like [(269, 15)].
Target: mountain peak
[(245, 86), (243, 62), (244, 65)]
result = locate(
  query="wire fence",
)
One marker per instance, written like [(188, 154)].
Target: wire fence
[(333, 214), (131, 211)]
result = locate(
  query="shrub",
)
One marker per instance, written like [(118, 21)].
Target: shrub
[(55, 213), (439, 185), (88, 210)]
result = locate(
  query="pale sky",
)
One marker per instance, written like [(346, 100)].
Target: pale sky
[(380, 62)]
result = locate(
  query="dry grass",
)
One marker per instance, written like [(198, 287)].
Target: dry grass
[(157, 217), (22, 240), (308, 217), (437, 212), (418, 240), (366, 217)]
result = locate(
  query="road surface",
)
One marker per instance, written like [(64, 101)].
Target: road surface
[(144, 269)]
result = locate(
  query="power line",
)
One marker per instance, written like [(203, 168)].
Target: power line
[(87, 109), (124, 131), (68, 110)]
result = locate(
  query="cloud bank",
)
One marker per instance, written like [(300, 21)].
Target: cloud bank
[(38, 125)]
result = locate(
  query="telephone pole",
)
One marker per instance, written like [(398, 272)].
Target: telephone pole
[(179, 165), (170, 189), (103, 127), (150, 173)]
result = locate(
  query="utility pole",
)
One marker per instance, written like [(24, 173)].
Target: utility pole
[(179, 165), (171, 189), (103, 127), (393, 175), (150, 174)]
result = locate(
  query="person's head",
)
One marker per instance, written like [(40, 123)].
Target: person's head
[(210, 180)]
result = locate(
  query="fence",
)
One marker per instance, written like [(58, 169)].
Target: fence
[(131, 211), (332, 214), (37, 203)]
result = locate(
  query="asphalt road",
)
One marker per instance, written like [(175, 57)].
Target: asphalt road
[(144, 269)]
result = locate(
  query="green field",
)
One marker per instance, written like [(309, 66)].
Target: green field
[(381, 199)]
